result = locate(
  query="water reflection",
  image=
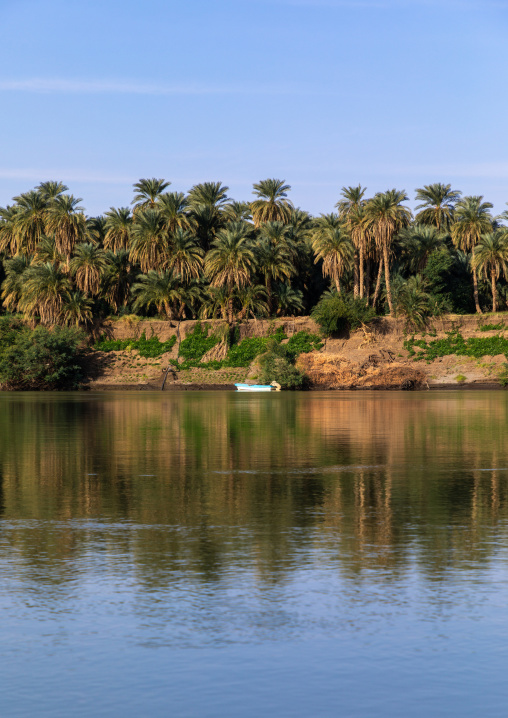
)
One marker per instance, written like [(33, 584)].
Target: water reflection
[(204, 485)]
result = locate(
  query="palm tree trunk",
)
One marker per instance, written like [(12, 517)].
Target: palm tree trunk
[(378, 282), (475, 286), (355, 276), (494, 290), (360, 262), (268, 281), (367, 279), (387, 279), (337, 283), (230, 309)]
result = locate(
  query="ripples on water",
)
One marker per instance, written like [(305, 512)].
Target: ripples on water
[(227, 555)]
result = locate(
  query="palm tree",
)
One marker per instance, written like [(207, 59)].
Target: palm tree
[(96, 229), (117, 278), (273, 256), (46, 251), (385, 216), (333, 246), (230, 262), (161, 290), (417, 244), (147, 192), (87, 266), (208, 208), (438, 204), (491, 256), (351, 213), (238, 212), (185, 255), (149, 244), (472, 219), (272, 204), (215, 303), (67, 222), (252, 299), (76, 309), (29, 221), (118, 228), (50, 190), (15, 277), (289, 300), (8, 241), (173, 210), (43, 293)]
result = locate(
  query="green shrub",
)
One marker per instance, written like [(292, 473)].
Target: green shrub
[(337, 312), (197, 343), (276, 368), (41, 359), (148, 348)]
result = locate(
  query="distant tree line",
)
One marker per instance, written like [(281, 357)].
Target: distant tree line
[(206, 255)]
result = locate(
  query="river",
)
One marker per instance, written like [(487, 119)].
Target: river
[(220, 555)]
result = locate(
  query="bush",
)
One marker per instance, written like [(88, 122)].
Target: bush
[(275, 367), (40, 359), (337, 312), (148, 348)]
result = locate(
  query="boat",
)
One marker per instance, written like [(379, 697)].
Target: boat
[(258, 387)]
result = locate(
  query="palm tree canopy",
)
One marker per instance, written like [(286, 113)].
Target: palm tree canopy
[(147, 191), (118, 227), (272, 204), (437, 205), (87, 266), (161, 290), (43, 292), (386, 215), (51, 189), (67, 222), (209, 194), (173, 210), (491, 254), (417, 244), (185, 255), (231, 260), (472, 219), (352, 200), (29, 221), (149, 243)]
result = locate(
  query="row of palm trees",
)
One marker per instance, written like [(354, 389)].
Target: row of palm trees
[(204, 254)]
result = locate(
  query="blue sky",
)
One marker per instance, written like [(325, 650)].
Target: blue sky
[(321, 93)]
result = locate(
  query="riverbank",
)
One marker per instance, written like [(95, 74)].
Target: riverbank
[(375, 357)]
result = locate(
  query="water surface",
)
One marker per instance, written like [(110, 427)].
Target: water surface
[(221, 554)]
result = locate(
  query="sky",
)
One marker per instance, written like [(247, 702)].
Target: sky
[(320, 93)]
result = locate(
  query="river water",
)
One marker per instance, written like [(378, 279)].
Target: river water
[(225, 555)]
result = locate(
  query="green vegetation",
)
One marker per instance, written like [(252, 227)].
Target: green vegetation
[(454, 343), (490, 327), (148, 348), (195, 346), (40, 358), (205, 255), (335, 312)]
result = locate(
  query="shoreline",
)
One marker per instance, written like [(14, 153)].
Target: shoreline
[(465, 386)]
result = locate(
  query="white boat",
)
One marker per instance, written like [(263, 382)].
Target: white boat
[(258, 387)]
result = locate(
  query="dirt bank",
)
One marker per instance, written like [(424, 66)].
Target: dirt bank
[(372, 358)]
